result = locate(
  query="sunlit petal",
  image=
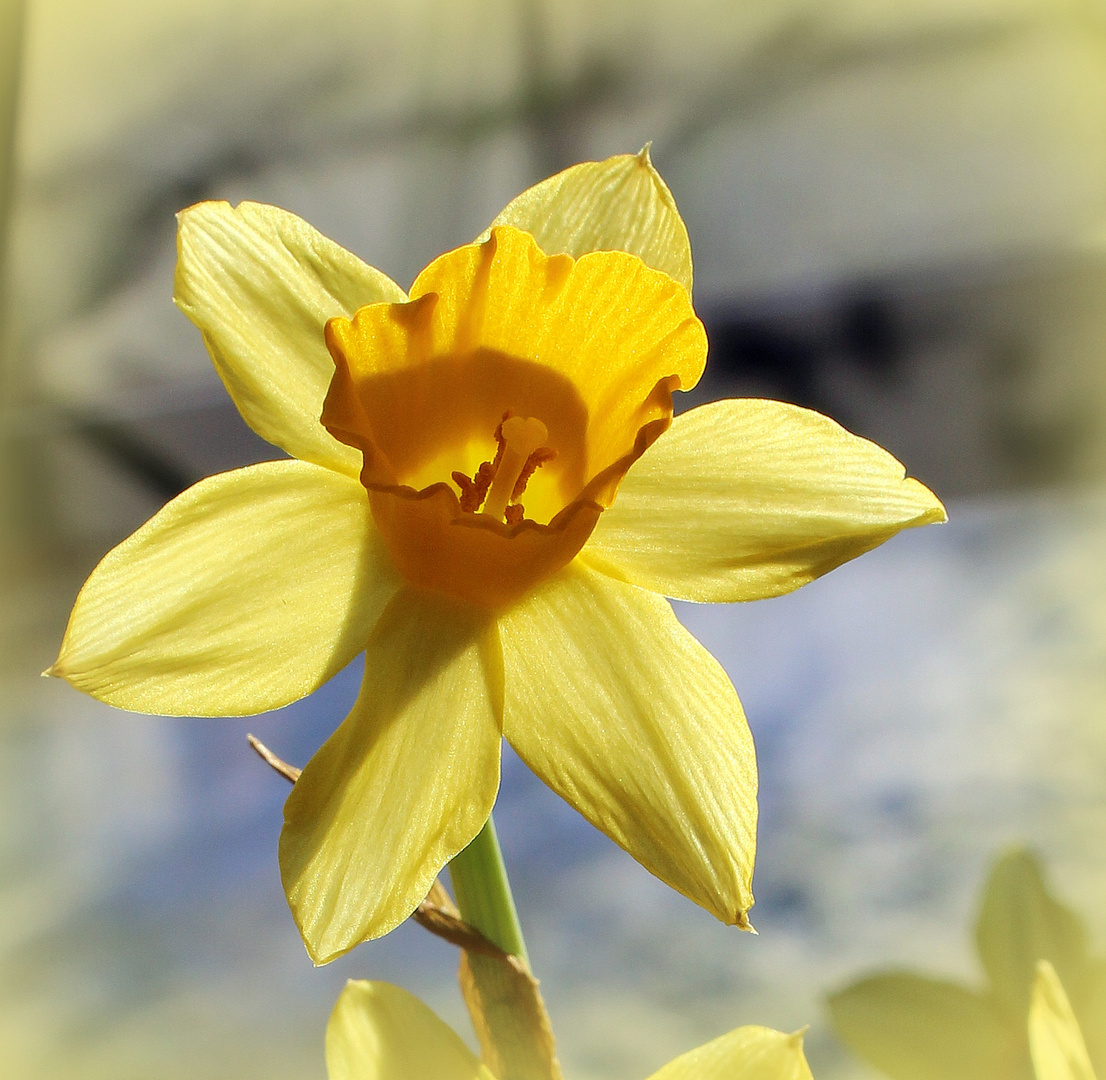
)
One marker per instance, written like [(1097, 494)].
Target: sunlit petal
[(380, 1032), (1055, 1041), (748, 1053), (620, 204), (260, 283), (406, 781), (914, 1028), (624, 714), (744, 499), (244, 593)]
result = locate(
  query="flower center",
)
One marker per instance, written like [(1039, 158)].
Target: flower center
[(499, 484), (594, 347)]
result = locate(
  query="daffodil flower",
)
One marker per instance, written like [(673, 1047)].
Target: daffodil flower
[(380, 1032), (913, 1027), (451, 511)]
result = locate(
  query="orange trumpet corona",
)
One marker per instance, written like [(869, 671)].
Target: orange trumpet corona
[(491, 377)]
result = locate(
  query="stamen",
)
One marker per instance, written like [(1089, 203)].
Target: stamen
[(514, 514), (474, 491), (520, 437), (535, 461)]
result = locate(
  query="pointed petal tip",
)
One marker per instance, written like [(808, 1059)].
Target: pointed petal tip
[(318, 960), (795, 1039), (742, 923), (322, 952), (936, 514), (185, 211), (619, 204), (59, 669)]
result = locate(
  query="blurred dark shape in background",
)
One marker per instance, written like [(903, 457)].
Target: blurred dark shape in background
[(864, 331), (897, 212), (919, 164)]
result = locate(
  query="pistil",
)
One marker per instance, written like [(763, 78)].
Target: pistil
[(522, 436)]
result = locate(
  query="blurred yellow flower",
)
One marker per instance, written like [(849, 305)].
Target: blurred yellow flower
[(917, 1028), (1055, 1041), (534, 369), (379, 1032)]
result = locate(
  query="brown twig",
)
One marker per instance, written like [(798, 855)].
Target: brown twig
[(439, 898), (438, 914), (289, 772)]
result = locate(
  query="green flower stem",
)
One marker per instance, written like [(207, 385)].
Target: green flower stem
[(483, 892), (508, 1015)]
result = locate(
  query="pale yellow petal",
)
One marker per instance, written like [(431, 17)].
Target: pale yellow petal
[(914, 1028), (1019, 923), (246, 592), (1055, 1040), (745, 498), (406, 781), (620, 204), (380, 1032), (261, 284), (624, 714), (1092, 1014), (748, 1053)]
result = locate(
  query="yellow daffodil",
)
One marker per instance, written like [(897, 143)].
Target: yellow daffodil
[(451, 510), (379, 1032), (1055, 1041), (917, 1028)]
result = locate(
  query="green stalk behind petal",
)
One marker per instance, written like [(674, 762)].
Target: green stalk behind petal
[(484, 894)]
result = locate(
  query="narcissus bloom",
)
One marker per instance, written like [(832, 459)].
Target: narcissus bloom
[(380, 1032), (913, 1027), (490, 496)]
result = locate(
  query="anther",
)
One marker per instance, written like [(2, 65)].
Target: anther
[(538, 458), (474, 491)]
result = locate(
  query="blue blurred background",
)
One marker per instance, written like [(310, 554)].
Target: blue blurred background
[(898, 216)]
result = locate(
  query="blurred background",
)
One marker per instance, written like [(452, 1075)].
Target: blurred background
[(898, 216)]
